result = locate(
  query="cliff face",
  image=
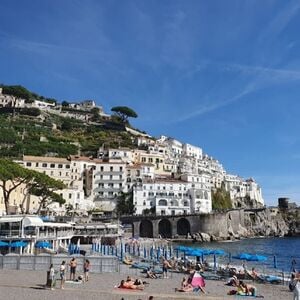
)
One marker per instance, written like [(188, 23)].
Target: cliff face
[(265, 223), (247, 224)]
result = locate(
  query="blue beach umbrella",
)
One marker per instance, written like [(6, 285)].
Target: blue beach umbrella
[(257, 257), (3, 244), (242, 256), (43, 244), (18, 244), (217, 252)]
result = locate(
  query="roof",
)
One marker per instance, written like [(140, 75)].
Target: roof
[(34, 221), (45, 159)]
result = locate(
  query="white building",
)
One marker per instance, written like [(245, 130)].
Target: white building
[(171, 197), (109, 182), (59, 169)]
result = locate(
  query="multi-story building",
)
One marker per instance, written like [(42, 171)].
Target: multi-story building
[(169, 196), (59, 169), (109, 182)]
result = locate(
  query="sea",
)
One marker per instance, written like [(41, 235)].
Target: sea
[(286, 251)]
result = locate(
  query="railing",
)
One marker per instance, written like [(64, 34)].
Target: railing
[(99, 264)]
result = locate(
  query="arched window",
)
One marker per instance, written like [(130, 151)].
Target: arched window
[(162, 202), (185, 203), (205, 195)]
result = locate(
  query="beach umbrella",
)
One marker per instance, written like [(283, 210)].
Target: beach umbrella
[(183, 248), (3, 244), (217, 252), (257, 257), (45, 244), (18, 244), (243, 256)]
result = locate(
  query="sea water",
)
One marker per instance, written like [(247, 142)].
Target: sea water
[(286, 251)]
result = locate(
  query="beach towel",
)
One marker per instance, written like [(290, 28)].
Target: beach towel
[(198, 280)]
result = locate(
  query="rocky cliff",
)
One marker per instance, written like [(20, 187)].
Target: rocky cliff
[(254, 223)]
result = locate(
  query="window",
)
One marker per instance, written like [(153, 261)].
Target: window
[(28, 164), (120, 185), (44, 165), (52, 165), (111, 169), (172, 212), (120, 176), (36, 164), (144, 194), (143, 159), (60, 166), (67, 166), (101, 169), (162, 212), (162, 202), (70, 196), (121, 169), (110, 177)]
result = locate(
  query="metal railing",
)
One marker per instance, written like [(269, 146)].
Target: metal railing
[(98, 264)]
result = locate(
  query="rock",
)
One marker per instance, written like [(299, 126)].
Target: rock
[(204, 237)]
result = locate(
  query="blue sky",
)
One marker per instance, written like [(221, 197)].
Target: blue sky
[(222, 75)]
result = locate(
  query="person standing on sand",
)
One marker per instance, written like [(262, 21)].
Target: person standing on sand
[(73, 265), (165, 267), (51, 277), (62, 271), (86, 269)]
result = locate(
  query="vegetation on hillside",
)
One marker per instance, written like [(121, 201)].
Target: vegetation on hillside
[(21, 92), (221, 199), (53, 135)]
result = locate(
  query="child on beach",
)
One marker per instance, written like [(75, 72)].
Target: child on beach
[(62, 271), (52, 276)]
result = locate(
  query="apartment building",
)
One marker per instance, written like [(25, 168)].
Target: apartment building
[(109, 182), (171, 196), (59, 169)]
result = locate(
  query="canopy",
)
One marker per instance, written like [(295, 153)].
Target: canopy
[(33, 221), (3, 244), (43, 244), (18, 244)]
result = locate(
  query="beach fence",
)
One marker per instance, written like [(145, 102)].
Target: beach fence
[(99, 264)]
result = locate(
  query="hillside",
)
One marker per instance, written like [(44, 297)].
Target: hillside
[(52, 135)]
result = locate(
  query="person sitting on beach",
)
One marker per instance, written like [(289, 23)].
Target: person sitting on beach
[(232, 281), (129, 285), (151, 274), (185, 286)]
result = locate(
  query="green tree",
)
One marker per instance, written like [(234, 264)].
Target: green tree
[(221, 198), (45, 187), (124, 112), (65, 104), (125, 204), (17, 91), (12, 175)]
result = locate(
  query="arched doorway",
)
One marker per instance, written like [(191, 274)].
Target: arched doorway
[(165, 228), (146, 229), (183, 226), (128, 229)]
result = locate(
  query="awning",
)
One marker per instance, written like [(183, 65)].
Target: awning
[(10, 219), (56, 225), (33, 221)]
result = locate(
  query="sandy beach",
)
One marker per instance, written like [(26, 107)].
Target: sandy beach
[(20, 284)]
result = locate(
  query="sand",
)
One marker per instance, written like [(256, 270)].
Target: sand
[(20, 284)]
